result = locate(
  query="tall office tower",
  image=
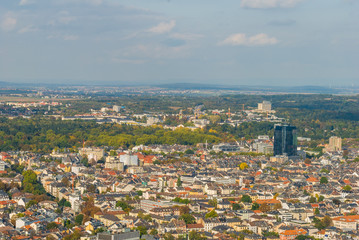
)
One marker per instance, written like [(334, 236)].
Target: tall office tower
[(285, 140), (335, 143)]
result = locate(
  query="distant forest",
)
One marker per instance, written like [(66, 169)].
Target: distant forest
[(316, 116)]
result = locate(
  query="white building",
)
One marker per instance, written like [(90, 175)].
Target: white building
[(265, 106)]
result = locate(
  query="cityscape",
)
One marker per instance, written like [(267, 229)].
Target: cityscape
[(85, 167), (179, 120)]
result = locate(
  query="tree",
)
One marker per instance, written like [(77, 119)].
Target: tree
[(304, 237), (168, 236), (327, 221), (124, 205), (51, 225), (30, 183), (89, 209), (277, 206), (243, 165), (320, 198), (255, 206), (246, 198), (264, 207), (179, 182), (270, 234), (323, 180), (189, 151), (79, 219), (347, 188), (74, 236), (312, 199), (31, 203), (193, 235), (63, 203), (65, 181), (153, 232), (316, 211), (211, 214), (236, 206), (188, 218), (307, 161), (91, 188), (142, 230), (213, 202), (336, 201)]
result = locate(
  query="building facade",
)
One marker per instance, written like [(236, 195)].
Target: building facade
[(285, 140)]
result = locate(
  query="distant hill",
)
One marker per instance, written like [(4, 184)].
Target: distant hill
[(296, 89)]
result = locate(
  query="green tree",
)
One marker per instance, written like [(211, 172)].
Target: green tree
[(189, 151), (74, 236), (312, 199), (179, 182), (246, 198), (304, 237), (124, 205), (323, 180), (211, 214), (51, 225), (316, 211), (347, 188), (255, 206), (213, 202), (193, 235), (320, 198), (188, 218), (327, 221), (236, 206), (31, 203), (79, 219), (142, 230), (30, 183), (153, 232), (270, 234)]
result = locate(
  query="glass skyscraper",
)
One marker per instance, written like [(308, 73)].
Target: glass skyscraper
[(285, 140)]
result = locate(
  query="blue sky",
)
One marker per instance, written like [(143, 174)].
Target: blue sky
[(235, 42)]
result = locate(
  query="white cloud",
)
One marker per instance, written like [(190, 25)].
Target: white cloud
[(8, 22), (90, 2), (66, 19), (186, 36), (163, 27), (23, 2), (95, 2), (71, 37), (27, 29), (269, 3), (256, 40)]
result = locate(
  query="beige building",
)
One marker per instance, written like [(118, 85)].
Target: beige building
[(335, 144), (265, 106), (114, 163), (92, 153)]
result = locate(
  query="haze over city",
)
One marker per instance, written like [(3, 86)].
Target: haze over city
[(247, 42)]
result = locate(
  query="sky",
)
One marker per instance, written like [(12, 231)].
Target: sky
[(231, 42)]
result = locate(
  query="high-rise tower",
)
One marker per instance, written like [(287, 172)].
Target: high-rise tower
[(285, 140)]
